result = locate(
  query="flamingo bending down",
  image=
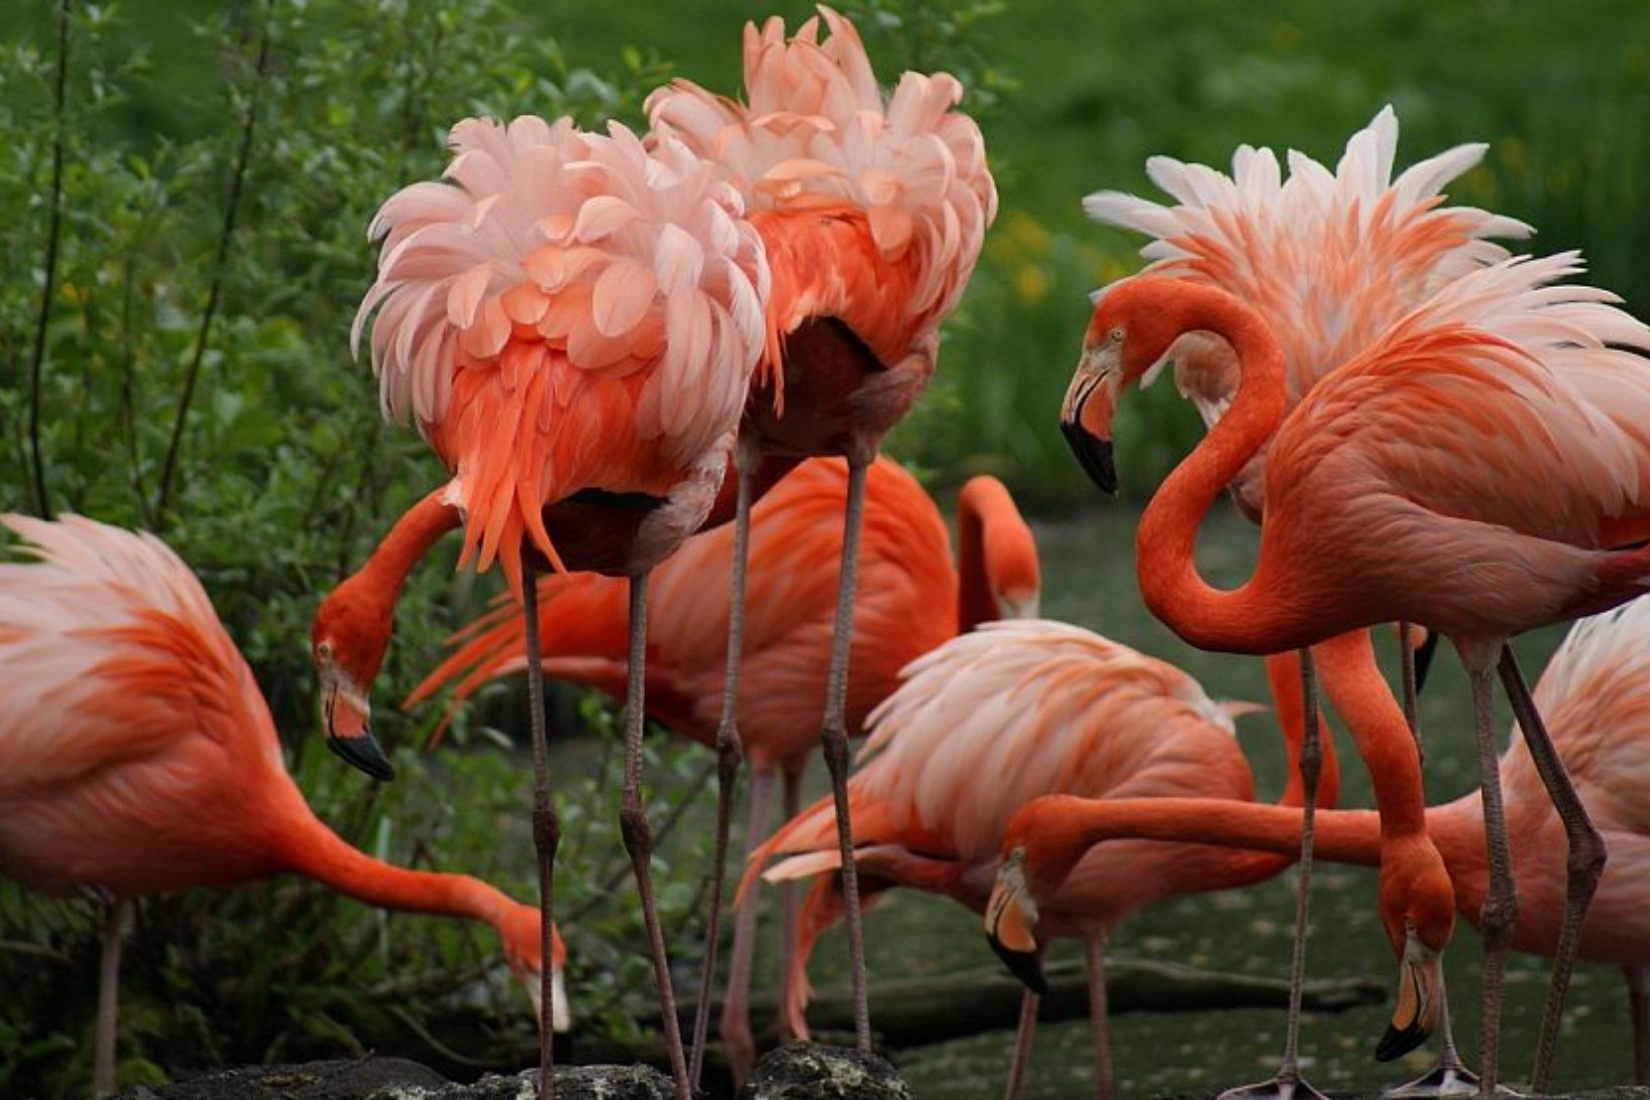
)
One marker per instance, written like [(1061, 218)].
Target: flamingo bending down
[(997, 717), (873, 209), (572, 319), (142, 759), (911, 598), (1397, 489), (1330, 259), (1596, 696)]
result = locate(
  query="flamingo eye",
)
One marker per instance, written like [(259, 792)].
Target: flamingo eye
[(324, 651), (1116, 334)]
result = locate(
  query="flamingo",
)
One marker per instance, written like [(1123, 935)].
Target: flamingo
[(142, 759), (572, 319), (1595, 693), (1331, 259), (910, 600), (873, 209), (1395, 491), (997, 717)]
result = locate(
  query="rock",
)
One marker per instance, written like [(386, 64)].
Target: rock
[(397, 1079), (810, 1071)]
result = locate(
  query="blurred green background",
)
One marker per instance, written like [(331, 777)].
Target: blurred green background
[(182, 230)]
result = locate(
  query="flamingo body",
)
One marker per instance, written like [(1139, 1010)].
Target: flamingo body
[(142, 759)]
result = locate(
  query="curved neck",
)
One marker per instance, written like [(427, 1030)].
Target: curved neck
[(1360, 695), (407, 542), (1344, 836), (996, 554), (1240, 620), (313, 850)]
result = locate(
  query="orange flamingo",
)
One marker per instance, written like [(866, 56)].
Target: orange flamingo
[(142, 759), (873, 209), (1596, 696), (994, 718), (911, 598), (1394, 490), (572, 319), (1330, 259)]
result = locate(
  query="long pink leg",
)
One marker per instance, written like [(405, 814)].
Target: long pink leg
[(789, 915), (108, 999), (1584, 863), (1287, 1084), (1638, 1009), (729, 755), (735, 1025), (1500, 910), (638, 836), (834, 738), (1094, 956), (546, 824), (1016, 1086)]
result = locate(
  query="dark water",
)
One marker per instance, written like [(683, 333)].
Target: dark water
[(1090, 580)]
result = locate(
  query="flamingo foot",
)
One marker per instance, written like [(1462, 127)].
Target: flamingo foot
[(1282, 1087), (1445, 1080)]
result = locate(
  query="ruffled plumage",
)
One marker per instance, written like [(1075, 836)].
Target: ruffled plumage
[(566, 310), (816, 133)]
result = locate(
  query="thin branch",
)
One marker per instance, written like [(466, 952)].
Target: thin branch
[(219, 265), (54, 229)]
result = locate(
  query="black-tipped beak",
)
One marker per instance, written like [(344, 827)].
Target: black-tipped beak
[(1094, 455), (1025, 965), (1398, 1042), (362, 752)]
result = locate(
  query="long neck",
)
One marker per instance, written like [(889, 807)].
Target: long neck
[(1239, 620), (996, 553), (310, 848), (407, 542), (1360, 695), (1344, 836)]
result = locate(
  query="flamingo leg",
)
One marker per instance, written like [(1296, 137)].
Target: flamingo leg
[(1500, 910), (1638, 1009), (1287, 1084), (735, 1027), (729, 755), (834, 740), (1584, 864), (789, 915), (1094, 958), (1016, 1086), (108, 998), (546, 824), (638, 836)]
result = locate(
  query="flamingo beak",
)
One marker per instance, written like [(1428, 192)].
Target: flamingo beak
[(1010, 917), (1420, 1000), (349, 734), (1087, 411)]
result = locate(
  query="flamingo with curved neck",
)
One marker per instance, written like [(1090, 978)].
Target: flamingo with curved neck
[(1395, 491)]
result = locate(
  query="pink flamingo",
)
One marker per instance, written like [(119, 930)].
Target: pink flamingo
[(995, 718), (911, 598), (1394, 490), (141, 758), (1331, 260), (873, 209), (1595, 694), (572, 319)]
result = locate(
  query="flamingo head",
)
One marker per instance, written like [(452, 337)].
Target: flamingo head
[(347, 641), (1417, 904), (524, 952), (1037, 856)]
